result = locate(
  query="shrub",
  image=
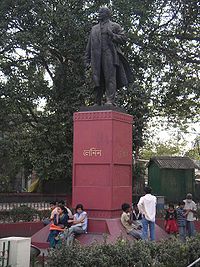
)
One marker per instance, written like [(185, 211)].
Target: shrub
[(194, 251), (198, 214), (5, 216), (167, 253), (170, 253), (23, 213), (122, 253), (42, 214)]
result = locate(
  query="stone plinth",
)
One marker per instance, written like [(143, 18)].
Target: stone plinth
[(102, 162)]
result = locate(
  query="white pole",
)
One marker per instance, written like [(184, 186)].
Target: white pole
[(193, 263)]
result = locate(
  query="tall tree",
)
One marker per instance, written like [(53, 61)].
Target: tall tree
[(41, 57)]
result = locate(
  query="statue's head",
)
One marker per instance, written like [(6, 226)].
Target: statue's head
[(104, 13)]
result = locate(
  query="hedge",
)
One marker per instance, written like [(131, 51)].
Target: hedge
[(166, 253), (23, 214)]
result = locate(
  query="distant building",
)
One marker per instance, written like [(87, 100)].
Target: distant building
[(172, 177)]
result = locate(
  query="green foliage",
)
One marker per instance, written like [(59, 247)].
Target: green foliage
[(166, 253), (43, 214), (198, 214), (41, 57), (23, 213), (194, 153), (4, 184), (138, 174), (169, 148), (194, 253), (52, 36), (5, 216), (171, 253), (122, 253)]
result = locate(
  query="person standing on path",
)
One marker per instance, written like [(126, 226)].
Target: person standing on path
[(147, 206), (191, 208), (181, 220)]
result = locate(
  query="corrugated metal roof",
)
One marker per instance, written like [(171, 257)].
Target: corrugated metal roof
[(166, 162)]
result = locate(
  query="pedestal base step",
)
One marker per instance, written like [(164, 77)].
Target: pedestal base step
[(98, 231)]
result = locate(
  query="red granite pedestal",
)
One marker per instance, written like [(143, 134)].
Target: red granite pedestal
[(102, 165), (102, 174)]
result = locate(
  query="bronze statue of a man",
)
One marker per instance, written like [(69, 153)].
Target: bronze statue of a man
[(110, 69)]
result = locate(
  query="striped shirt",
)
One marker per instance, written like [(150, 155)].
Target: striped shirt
[(181, 220)]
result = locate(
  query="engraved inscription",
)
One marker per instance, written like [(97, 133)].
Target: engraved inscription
[(92, 152)]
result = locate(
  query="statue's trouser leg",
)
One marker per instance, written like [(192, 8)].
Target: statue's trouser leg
[(100, 90), (98, 95), (109, 71)]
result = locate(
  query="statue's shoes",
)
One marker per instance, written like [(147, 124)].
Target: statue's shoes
[(110, 103), (96, 105)]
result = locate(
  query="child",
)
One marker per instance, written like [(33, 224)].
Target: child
[(136, 216), (170, 220), (126, 221), (181, 219)]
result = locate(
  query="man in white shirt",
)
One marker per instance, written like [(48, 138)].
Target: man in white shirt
[(147, 206), (190, 207)]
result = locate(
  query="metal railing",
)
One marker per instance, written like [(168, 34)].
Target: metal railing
[(37, 205), (41, 209), (4, 254)]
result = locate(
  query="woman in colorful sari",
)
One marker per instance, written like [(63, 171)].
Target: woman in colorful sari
[(59, 223)]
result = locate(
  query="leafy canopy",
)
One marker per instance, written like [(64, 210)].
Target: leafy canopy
[(41, 57)]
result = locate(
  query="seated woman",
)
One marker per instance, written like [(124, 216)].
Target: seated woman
[(79, 224), (60, 221)]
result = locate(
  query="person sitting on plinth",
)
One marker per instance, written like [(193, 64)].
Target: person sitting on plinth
[(53, 207), (131, 228), (62, 202), (136, 215), (59, 224), (79, 224)]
